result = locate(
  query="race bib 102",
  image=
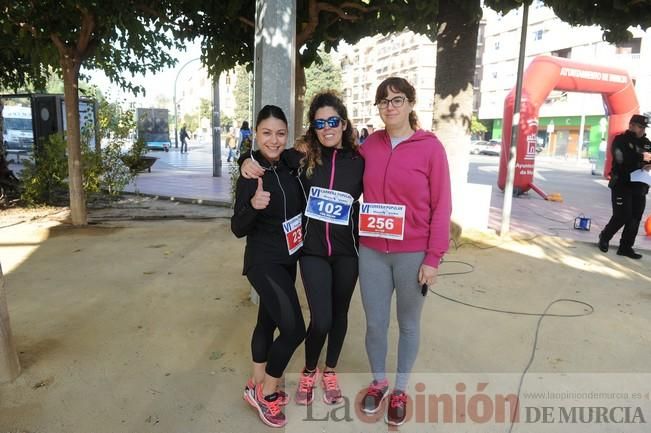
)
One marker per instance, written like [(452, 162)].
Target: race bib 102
[(293, 233), (382, 220), (329, 205)]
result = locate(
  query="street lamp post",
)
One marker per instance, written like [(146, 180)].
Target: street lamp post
[(176, 120)]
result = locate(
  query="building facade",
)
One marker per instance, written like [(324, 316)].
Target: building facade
[(192, 86), (570, 124), (365, 64)]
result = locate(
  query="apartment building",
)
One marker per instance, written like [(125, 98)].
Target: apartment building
[(193, 84), (564, 117), (365, 64)]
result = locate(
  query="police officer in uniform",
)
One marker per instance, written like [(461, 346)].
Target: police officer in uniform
[(630, 151)]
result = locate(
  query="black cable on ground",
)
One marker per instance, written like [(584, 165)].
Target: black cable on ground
[(11, 225), (541, 316)]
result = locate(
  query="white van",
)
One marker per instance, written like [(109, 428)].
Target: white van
[(17, 132)]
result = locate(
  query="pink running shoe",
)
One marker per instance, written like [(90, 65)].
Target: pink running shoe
[(268, 407), (331, 390), (305, 390), (283, 397)]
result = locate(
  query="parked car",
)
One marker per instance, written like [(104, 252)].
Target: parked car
[(483, 147)]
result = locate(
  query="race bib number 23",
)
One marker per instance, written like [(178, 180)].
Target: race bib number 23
[(293, 233)]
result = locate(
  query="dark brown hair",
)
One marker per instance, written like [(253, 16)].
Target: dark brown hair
[(266, 112), (313, 155), (398, 85)]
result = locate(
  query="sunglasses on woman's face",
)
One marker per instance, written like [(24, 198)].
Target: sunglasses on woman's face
[(332, 122)]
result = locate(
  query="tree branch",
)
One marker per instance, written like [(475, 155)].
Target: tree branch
[(315, 7), (313, 21), (29, 27), (246, 21), (59, 44), (85, 35)]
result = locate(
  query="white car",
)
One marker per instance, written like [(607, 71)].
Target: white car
[(483, 147)]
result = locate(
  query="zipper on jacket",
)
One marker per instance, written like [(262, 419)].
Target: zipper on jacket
[(384, 187), (332, 182)]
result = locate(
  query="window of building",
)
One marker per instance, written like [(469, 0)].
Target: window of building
[(538, 35), (537, 4), (497, 45), (565, 53), (629, 47)]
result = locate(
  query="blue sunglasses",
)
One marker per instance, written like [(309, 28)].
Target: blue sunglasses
[(332, 122)]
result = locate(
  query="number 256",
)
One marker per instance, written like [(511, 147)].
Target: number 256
[(380, 223)]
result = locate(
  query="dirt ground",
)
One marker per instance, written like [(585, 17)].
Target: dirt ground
[(141, 321)]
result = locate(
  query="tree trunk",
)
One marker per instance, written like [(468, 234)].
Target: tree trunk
[(9, 364), (73, 137), (455, 68), (2, 128), (299, 97)]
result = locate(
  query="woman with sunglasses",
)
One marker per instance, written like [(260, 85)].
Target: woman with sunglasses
[(404, 232), (268, 212), (331, 178)]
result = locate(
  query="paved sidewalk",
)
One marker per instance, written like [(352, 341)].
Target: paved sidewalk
[(188, 177)]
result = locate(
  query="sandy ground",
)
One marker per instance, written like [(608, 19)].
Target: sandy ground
[(141, 322)]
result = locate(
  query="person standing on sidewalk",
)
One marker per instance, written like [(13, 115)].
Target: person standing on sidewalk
[(331, 179), (630, 151), (404, 233), (268, 212), (183, 135), (244, 139)]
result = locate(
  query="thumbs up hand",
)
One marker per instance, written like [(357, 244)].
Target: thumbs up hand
[(261, 198)]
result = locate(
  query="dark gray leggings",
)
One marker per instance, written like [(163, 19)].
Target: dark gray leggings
[(379, 274)]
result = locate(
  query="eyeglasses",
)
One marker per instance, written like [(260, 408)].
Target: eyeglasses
[(397, 102), (332, 122)]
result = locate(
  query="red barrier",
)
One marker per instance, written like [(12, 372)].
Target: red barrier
[(544, 74)]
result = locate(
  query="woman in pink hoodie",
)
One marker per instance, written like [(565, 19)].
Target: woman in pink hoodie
[(404, 232)]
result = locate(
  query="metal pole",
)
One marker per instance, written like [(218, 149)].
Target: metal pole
[(581, 132), (515, 127), (176, 120), (216, 131)]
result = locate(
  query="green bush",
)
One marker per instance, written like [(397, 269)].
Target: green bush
[(107, 170), (44, 178), (115, 173)]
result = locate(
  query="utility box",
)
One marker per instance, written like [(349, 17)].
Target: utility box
[(30, 118)]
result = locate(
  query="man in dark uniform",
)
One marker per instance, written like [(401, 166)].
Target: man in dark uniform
[(630, 151)]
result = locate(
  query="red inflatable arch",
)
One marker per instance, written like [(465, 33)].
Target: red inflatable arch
[(544, 74)]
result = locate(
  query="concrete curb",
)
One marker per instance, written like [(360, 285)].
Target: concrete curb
[(188, 200)]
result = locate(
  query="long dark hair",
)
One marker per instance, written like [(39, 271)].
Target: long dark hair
[(326, 98), (398, 85)]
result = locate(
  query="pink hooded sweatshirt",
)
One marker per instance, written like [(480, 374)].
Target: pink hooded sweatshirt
[(414, 174)]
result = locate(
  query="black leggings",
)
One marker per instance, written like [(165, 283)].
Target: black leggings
[(279, 308), (329, 284)]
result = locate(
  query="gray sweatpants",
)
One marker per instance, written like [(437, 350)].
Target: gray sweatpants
[(379, 274)]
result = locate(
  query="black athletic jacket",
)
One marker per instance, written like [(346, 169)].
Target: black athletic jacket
[(342, 170), (265, 239), (627, 151)]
